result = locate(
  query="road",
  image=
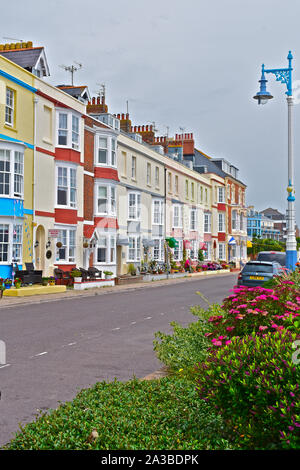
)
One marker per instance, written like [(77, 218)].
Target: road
[(56, 348)]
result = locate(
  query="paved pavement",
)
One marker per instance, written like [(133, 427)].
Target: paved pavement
[(56, 348)]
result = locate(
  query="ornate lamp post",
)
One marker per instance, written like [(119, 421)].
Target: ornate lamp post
[(284, 76)]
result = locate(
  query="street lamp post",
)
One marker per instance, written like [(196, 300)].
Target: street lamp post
[(284, 75)]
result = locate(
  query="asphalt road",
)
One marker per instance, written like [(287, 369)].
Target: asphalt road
[(56, 348)]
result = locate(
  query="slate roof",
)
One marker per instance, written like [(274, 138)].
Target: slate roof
[(26, 58), (203, 160), (75, 91)]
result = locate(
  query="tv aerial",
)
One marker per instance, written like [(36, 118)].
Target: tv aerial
[(72, 69)]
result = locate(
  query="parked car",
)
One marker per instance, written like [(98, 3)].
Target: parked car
[(278, 256), (255, 273)]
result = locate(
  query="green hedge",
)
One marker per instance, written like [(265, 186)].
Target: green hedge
[(162, 415)]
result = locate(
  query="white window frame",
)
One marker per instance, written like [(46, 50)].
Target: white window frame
[(157, 215), (70, 257), (222, 252), (221, 194), (106, 241), (111, 199), (15, 227), (10, 107), (134, 210), (158, 250), (221, 222), (207, 253), (133, 167), (193, 219), (10, 174), (178, 252), (134, 248), (71, 190), (72, 134), (177, 216), (157, 177), (207, 223)]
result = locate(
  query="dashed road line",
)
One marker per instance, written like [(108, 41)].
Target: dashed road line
[(5, 365)]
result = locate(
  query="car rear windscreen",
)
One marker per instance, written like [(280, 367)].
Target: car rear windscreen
[(257, 268), (279, 257)]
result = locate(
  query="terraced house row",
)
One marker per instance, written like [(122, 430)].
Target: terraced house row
[(82, 187)]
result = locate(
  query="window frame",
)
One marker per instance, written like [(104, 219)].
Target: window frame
[(179, 216), (137, 205), (157, 216), (9, 175), (70, 204), (68, 246), (10, 107), (136, 248)]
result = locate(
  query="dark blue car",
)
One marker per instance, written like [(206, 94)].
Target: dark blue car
[(255, 273)]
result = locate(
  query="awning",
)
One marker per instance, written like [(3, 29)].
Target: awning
[(147, 242), (203, 246), (122, 241), (232, 241)]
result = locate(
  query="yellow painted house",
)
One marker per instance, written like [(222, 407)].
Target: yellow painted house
[(17, 105)]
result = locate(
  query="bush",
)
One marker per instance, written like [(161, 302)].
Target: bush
[(186, 346), (255, 309), (254, 384), (164, 414)]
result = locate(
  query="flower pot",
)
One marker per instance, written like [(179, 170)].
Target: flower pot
[(52, 282), (108, 276), (77, 279), (7, 286), (18, 285)]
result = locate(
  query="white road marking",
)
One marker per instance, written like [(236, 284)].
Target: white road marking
[(114, 329), (133, 322), (5, 365), (71, 344), (162, 313), (41, 354), (148, 318)]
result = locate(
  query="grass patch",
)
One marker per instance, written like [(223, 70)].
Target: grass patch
[(164, 414)]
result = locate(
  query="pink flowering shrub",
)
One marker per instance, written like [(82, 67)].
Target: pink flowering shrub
[(254, 384), (255, 309)]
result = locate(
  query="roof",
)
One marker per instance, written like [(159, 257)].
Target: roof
[(76, 91), (203, 160), (269, 212), (28, 58)]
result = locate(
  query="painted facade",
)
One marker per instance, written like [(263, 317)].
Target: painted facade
[(82, 187), (17, 98)]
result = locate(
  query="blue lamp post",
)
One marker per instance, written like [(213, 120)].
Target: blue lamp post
[(284, 76)]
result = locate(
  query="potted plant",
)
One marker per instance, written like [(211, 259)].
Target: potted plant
[(131, 269), (17, 282), (45, 281), (51, 281), (7, 283), (108, 274), (76, 274), (2, 288)]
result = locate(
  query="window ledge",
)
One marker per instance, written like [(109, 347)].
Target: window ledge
[(11, 128)]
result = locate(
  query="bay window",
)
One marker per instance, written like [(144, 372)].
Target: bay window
[(66, 186), (75, 132), (102, 151), (11, 173), (66, 253), (207, 252), (4, 242), (134, 205), (63, 129)]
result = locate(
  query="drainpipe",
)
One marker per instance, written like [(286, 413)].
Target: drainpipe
[(166, 244), (34, 178)]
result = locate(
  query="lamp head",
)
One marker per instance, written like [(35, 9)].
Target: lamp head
[(263, 96)]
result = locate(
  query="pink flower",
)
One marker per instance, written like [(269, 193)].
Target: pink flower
[(228, 341), (274, 325), (261, 328), (230, 328), (239, 317)]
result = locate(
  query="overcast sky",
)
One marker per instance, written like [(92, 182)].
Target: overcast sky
[(193, 64)]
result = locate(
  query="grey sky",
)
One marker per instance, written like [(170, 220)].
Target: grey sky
[(192, 64)]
